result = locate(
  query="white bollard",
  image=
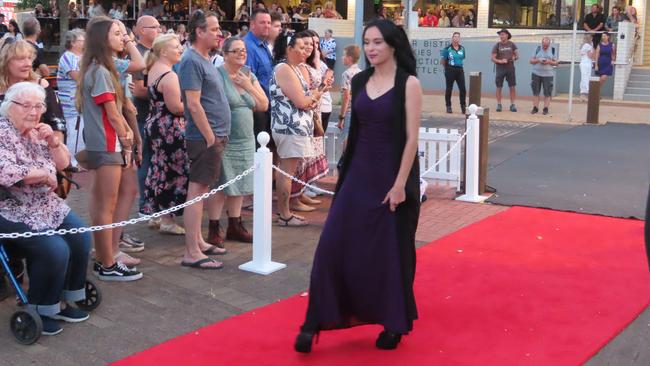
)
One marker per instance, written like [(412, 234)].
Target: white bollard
[(472, 158), (262, 212)]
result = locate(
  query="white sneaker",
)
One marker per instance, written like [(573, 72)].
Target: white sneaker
[(126, 259)]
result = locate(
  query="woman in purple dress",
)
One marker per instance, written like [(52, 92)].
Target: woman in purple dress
[(364, 265), (605, 55)]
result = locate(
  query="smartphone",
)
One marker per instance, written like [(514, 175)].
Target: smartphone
[(246, 70)]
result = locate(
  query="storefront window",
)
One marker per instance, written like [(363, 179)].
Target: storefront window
[(553, 14), (445, 13)]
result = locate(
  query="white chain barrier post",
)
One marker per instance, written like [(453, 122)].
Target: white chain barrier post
[(262, 212), (472, 158)]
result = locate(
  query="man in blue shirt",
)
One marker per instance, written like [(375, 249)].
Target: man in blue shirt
[(452, 58), (260, 62)]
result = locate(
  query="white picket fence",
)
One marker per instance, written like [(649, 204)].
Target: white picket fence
[(434, 144)]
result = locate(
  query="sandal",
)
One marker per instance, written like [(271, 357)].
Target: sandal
[(296, 215), (292, 221), (301, 207), (309, 201), (199, 264), (214, 250)]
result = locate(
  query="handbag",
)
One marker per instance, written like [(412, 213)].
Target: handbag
[(64, 183)]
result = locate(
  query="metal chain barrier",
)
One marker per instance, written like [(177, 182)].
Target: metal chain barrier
[(312, 187), (202, 197), (318, 189)]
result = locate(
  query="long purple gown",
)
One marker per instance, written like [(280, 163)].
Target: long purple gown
[(356, 276)]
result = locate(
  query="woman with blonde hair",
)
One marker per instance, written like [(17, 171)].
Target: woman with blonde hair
[(586, 64), (330, 12), (15, 66), (167, 176)]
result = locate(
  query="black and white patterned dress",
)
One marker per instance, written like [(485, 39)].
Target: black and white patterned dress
[(292, 128)]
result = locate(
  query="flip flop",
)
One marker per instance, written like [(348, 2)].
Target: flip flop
[(198, 264), (213, 250), (292, 221)]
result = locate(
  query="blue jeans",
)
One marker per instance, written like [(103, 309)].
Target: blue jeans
[(56, 265)]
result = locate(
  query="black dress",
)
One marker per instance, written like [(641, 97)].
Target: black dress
[(364, 265)]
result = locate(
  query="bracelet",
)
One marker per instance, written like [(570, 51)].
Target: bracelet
[(341, 116)]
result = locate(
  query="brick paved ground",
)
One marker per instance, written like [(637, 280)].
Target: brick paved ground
[(171, 300)]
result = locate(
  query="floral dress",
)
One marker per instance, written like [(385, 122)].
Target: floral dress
[(36, 206), (167, 176), (310, 170)]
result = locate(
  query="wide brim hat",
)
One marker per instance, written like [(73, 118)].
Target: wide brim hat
[(506, 32)]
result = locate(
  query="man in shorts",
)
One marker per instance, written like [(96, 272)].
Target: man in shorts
[(504, 55), (208, 125), (543, 62)]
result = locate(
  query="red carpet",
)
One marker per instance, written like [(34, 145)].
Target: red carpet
[(524, 287)]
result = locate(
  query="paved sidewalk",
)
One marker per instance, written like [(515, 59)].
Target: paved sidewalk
[(171, 300)]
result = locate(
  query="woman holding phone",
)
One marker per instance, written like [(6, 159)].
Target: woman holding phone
[(312, 169), (245, 95)]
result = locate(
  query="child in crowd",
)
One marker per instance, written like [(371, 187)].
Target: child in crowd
[(351, 55)]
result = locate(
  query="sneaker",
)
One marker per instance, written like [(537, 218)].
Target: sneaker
[(130, 244), (71, 315), (97, 265), (118, 272), (499, 108), (50, 326), (449, 109), (513, 108), (545, 111), (154, 223), (126, 259), (171, 229), (535, 110)]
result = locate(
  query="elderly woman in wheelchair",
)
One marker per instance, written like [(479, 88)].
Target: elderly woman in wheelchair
[(30, 156)]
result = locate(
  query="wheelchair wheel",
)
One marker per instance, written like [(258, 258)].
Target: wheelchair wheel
[(93, 297), (26, 326)]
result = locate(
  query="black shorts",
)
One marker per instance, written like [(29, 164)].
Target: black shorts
[(205, 162), (507, 73), (536, 83)]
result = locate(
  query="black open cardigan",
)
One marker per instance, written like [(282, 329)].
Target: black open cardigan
[(407, 212)]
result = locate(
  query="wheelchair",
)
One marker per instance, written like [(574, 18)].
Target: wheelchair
[(25, 323)]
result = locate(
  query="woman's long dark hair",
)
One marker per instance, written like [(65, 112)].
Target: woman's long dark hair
[(284, 40), (396, 38), (98, 50), (311, 59), (16, 27)]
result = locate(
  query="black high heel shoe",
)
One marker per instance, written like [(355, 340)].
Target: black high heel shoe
[(388, 340), (304, 341)]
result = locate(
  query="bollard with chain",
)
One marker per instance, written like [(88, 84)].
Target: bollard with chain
[(262, 212), (472, 158)]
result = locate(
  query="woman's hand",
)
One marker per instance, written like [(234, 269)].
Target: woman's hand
[(243, 81), (51, 181), (127, 139), (394, 197), (46, 134)]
